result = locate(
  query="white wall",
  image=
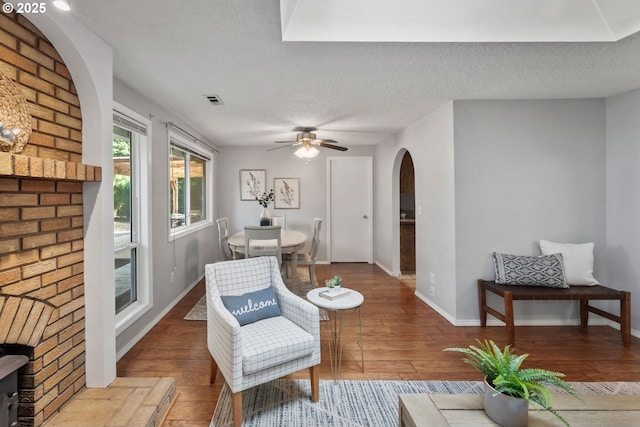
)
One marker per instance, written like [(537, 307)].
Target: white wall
[(430, 143), (386, 236), (187, 254), (90, 63), (623, 203), (279, 164), (524, 171)]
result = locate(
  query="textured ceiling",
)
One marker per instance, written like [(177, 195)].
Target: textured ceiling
[(459, 20), (175, 53)]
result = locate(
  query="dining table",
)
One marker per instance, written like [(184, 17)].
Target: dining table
[(291, 242)]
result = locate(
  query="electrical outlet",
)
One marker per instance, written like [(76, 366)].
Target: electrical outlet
[(419, 211), (173, 274), (432, 291)]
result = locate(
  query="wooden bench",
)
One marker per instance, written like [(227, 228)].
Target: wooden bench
[(583, 294)]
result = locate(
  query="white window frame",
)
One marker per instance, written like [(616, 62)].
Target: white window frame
[(189, 147), (141, 208)]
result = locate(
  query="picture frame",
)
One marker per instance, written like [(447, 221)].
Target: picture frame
[(287, 193), (253, 183)]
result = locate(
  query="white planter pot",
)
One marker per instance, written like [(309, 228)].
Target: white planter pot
[(504, 410)]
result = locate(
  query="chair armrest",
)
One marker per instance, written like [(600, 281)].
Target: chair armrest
[(296, 309)]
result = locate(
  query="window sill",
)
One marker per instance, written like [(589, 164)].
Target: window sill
[(185, 232), (126, 318)]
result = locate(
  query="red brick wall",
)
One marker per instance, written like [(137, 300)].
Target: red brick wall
[(41, 225)]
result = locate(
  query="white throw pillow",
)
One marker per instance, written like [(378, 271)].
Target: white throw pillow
[(578, 261)]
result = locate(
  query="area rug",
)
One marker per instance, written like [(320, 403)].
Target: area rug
[(352, 403), (300, 287)]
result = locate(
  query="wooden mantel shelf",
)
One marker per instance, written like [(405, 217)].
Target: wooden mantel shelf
[(18, 166)]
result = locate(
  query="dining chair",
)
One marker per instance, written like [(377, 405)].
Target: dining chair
[(309, 259), (263, 241), (281, 337), (280, 220), (223, 238)]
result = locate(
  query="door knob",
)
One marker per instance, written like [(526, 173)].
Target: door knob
[(365, 216)]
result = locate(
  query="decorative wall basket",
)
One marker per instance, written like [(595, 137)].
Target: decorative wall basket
[(15, 117)]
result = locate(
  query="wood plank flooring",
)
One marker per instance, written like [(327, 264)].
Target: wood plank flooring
[(403, 340)]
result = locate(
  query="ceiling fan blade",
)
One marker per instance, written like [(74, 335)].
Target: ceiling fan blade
[(285, 142), (291, 144), (333, 147), (277, 148), (328, 141)]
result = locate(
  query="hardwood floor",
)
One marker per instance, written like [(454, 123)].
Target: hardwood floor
[(403, 340)]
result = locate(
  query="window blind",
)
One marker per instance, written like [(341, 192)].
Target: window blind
[(128, 123), (182, 147)]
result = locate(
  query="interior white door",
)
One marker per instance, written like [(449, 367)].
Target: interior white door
[(350, 206)]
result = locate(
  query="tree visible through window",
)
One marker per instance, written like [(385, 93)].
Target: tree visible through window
[(188, 171), (123, 218), (131, 216)]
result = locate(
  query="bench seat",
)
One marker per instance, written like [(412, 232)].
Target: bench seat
[(575, 293)]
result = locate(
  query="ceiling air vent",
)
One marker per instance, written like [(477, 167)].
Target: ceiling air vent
[(214, 99)]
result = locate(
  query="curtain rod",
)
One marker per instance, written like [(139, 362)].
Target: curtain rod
[(175, 126)]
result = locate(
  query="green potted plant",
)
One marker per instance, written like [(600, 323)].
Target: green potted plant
[(505, 378), (334, 283)]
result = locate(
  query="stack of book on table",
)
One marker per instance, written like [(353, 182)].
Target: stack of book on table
[(331, 294)]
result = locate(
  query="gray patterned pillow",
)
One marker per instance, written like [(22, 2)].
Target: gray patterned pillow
[(545, 270)]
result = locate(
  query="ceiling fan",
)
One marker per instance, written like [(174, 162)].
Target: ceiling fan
[(307, 142)]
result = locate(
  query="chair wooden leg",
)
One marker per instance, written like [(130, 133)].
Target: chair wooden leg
[(214, 371), (236, 405), (314, 373)]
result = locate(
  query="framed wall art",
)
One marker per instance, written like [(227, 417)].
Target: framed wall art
[(253, 182), (287, 193)]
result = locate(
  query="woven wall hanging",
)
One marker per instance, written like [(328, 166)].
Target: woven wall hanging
[(15, 117)]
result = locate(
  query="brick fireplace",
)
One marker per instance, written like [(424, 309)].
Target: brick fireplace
[(41, 227)]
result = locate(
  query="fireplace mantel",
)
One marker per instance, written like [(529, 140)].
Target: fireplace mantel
[(19, 166)]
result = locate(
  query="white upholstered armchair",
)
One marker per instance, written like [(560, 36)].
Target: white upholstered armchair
[(261, 350)]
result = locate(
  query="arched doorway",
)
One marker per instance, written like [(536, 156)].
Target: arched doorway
[(407, 217)]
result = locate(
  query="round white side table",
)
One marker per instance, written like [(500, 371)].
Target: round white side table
[(336, 309)]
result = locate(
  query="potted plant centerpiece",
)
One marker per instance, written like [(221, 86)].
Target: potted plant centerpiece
[(264, 200), (333, 284), (506, 383)]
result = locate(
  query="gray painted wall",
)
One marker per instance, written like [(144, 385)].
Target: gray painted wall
[(430, 143), (279, 163), (623, 203), (496, 176), (525, 171), (188, 253)]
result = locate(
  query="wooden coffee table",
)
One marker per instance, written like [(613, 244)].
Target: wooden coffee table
[(467, 410)]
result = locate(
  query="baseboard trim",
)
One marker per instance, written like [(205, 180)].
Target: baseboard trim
[(128, 346), (385, 269), (436, 308)]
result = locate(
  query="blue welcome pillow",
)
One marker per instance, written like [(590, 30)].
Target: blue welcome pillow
[(253, 306)]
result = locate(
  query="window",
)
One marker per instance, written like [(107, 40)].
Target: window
[(189, 175), (124, 235), (130, 216)]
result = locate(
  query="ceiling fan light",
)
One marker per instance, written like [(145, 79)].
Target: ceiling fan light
[(305, 152), (62, 4)]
